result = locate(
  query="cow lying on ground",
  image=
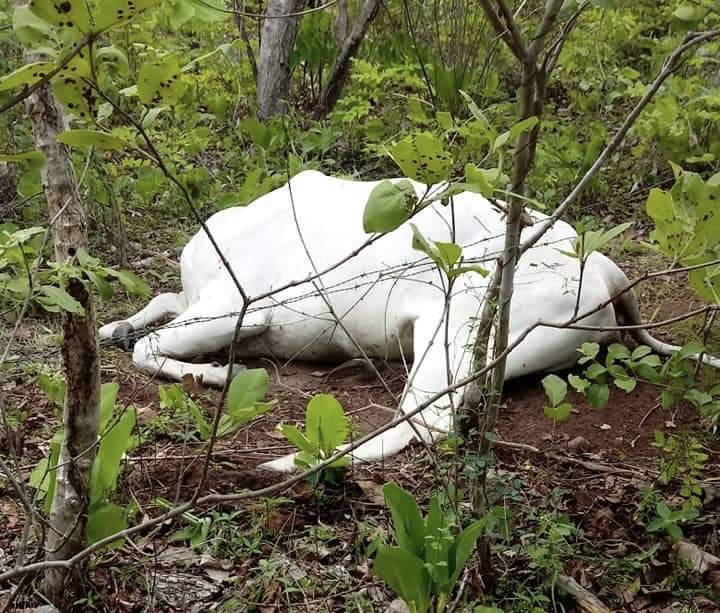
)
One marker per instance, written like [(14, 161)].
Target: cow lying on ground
[(389, 296)]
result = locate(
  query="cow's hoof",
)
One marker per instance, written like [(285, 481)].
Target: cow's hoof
[(285, 464), (122, 335)]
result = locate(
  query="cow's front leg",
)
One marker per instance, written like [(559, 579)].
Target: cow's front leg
[(205, 328)]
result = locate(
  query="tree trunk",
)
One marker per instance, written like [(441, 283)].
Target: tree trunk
[(342, 23), (80, 350), (276, 45), (8, 190), (341, 69)]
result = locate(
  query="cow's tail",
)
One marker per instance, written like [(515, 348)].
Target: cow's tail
[(627, 313)]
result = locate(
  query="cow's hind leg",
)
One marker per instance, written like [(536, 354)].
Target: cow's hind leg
[(160, 307), (204, 328)]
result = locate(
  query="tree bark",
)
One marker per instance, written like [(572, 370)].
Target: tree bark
[(341, 69), (80, 350), (276, 44), (342, 23), (8, 190)]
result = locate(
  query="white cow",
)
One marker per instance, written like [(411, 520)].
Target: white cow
[(389, 296)]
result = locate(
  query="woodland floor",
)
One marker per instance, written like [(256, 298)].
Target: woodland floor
[(301, 553)]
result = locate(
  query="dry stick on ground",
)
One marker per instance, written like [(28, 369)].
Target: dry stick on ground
[(586, 600), (288, 483)]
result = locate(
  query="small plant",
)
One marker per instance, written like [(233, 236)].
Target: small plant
[(556, 390), (669, 520), (549, 545), (244, 403), (425, 566), (115, 440), (326, 428), (683, 458)]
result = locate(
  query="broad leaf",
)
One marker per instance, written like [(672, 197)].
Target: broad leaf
[(113, 445), (407, 522), (389, 206), (160, 82), (55, 299), (103, 520), (25, 75), (598, 395), (464, 546), (34, 159), (555, 388), (299, 440), (422, 158), (406, 575), (326, 424), (91, 138), (247, 387), (30, 29), (558, 413), (113, 12)]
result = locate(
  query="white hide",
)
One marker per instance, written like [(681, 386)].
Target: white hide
[(390, 297)]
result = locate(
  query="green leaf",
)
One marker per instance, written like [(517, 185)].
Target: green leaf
[(513, 133), (422, 158), (407, 521), (558, 413), (578, 383), (160, 82), (674, 531), (444, 120), (449, 253), (555, 389), (72, 90), (406, 575), (25, 75), (326, 424), (34, 159), (297, 438), (113, 59), (463, 546), (103, 520), (30, 29), (91, 138), (53, 389), (113, 446), (55, 299), (389, 205), (203, 427), (71, 18), (688, 12), (598, 395), (130, 281), (114, 12), (108, 399), (595, 370), (663, 510), (627, 385), (481, 180), (247, 387)]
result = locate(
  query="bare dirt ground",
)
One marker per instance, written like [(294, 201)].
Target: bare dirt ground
[(298, 552)]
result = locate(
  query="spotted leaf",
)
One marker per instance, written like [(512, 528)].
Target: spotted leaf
[(114, 12), (160, 82), (25, 75), (423, 158), (71, 18)]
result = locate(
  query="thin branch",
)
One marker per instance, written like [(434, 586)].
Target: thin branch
[(669, 67)]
